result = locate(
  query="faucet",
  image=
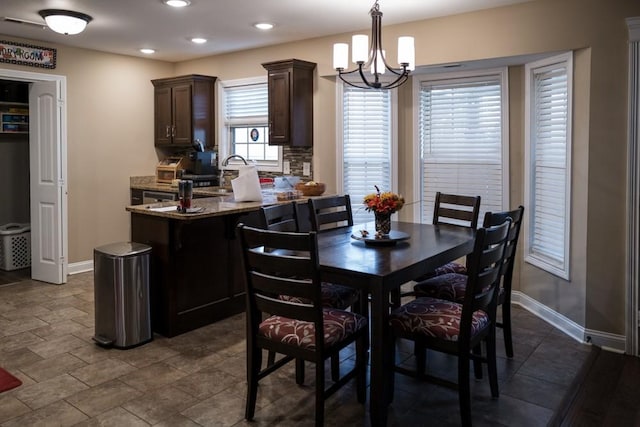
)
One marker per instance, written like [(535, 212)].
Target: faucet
[(225, 162)]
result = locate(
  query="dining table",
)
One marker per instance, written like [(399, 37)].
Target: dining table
[(376, 267)]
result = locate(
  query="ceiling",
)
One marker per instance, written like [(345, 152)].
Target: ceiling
[(124, 26)]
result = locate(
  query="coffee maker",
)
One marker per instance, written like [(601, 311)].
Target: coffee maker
[(204, 162), (204, 168)]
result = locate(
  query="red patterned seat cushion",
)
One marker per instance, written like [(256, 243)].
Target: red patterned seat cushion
[(434, 318), (333, 296), (338, 325), (450, 286)]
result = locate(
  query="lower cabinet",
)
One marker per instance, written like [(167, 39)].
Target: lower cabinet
[(196, 272)]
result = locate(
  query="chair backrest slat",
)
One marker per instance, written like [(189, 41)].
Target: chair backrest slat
[(456, 209), (491, 219), (484, 265), (330, 212), (281, 217)]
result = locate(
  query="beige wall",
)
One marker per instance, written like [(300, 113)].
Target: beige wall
[(109, 138), (111, 133)]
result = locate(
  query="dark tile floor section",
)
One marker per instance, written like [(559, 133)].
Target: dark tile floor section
[(198, 378)]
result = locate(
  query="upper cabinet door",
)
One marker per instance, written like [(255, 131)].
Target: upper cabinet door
[(182, 115), (184, 111), (279, 107), (163, 117), (290, 102)]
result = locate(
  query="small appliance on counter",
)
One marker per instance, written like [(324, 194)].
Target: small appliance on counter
[(204, 162), (204, 172), (167, 169)]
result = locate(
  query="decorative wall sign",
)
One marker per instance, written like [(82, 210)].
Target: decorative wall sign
[(26, 54)]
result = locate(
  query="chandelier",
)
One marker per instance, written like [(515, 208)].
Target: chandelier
[(372, 57)]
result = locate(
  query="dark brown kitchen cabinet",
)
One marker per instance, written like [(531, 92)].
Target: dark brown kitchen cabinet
[(184, 110), (290, 85), (196, 277)]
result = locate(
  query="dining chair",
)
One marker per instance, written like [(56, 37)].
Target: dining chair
[(453, 209), (457, 210), (283, 217), (279, 217), (330, 212), (460, 329), (278, 263), (452, 286)]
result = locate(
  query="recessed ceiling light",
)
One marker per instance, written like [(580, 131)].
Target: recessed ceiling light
[(263, 26), (198, 40), (176, 3), (147, 51)]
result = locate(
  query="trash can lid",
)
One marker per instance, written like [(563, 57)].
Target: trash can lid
[(14, 228), (123, 249)]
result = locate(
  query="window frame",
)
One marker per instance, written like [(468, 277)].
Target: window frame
[(393, 149), (503, 74), (563, 270), (224, 129)]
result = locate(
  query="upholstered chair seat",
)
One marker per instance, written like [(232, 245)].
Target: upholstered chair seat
[(333, 296), (338, 326), (435, 318)]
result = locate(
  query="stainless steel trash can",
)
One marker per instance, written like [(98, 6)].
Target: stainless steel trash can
[(121, 285)]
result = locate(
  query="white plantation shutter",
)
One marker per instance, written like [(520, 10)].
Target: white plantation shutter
[(366, 145), (548, 172), (461, 136)]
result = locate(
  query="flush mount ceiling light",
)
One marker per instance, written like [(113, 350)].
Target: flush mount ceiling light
[(263, 26), (374, 58), (176, 3), (147, 51), (198, 40), (65, 21)]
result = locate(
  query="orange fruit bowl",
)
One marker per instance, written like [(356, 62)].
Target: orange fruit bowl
[(311, 190)]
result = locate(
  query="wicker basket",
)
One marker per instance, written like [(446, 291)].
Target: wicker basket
[(311, 190)]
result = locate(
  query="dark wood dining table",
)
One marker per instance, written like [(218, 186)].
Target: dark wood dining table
[(377, 270)]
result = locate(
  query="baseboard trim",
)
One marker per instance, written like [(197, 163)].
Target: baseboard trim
[(79, 267), (608, 341)]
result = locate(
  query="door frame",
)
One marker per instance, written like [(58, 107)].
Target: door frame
[(61, 88)]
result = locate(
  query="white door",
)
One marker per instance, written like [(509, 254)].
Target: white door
[(47, 184)]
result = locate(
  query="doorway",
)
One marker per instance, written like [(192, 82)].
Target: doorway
[(48, 173)]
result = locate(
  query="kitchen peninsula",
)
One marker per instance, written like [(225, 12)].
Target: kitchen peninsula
[(196, 276)]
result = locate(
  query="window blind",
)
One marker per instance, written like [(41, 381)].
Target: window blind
[(246, 117), (550, 110), (366, 145), (460, 128), (246, 104)]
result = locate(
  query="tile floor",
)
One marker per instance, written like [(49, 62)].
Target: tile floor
[(198, 378)]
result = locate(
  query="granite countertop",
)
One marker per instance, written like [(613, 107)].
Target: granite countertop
[(149, 183), (202, 208)]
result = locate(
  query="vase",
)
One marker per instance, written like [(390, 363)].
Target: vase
[(383, 223)]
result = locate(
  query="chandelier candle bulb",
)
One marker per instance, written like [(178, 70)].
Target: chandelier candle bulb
[(360, 49), (406, 52), (340, 56)]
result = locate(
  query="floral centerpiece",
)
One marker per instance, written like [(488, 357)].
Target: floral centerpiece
[(383, 204)]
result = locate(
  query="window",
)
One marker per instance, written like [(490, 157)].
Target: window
[(462, 139), (366, 148), (548, 163), (244, 106)]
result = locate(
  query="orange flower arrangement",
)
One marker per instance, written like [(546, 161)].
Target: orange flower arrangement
[(383, 202)]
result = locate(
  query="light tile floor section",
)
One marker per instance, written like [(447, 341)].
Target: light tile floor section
[(198, 378)]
